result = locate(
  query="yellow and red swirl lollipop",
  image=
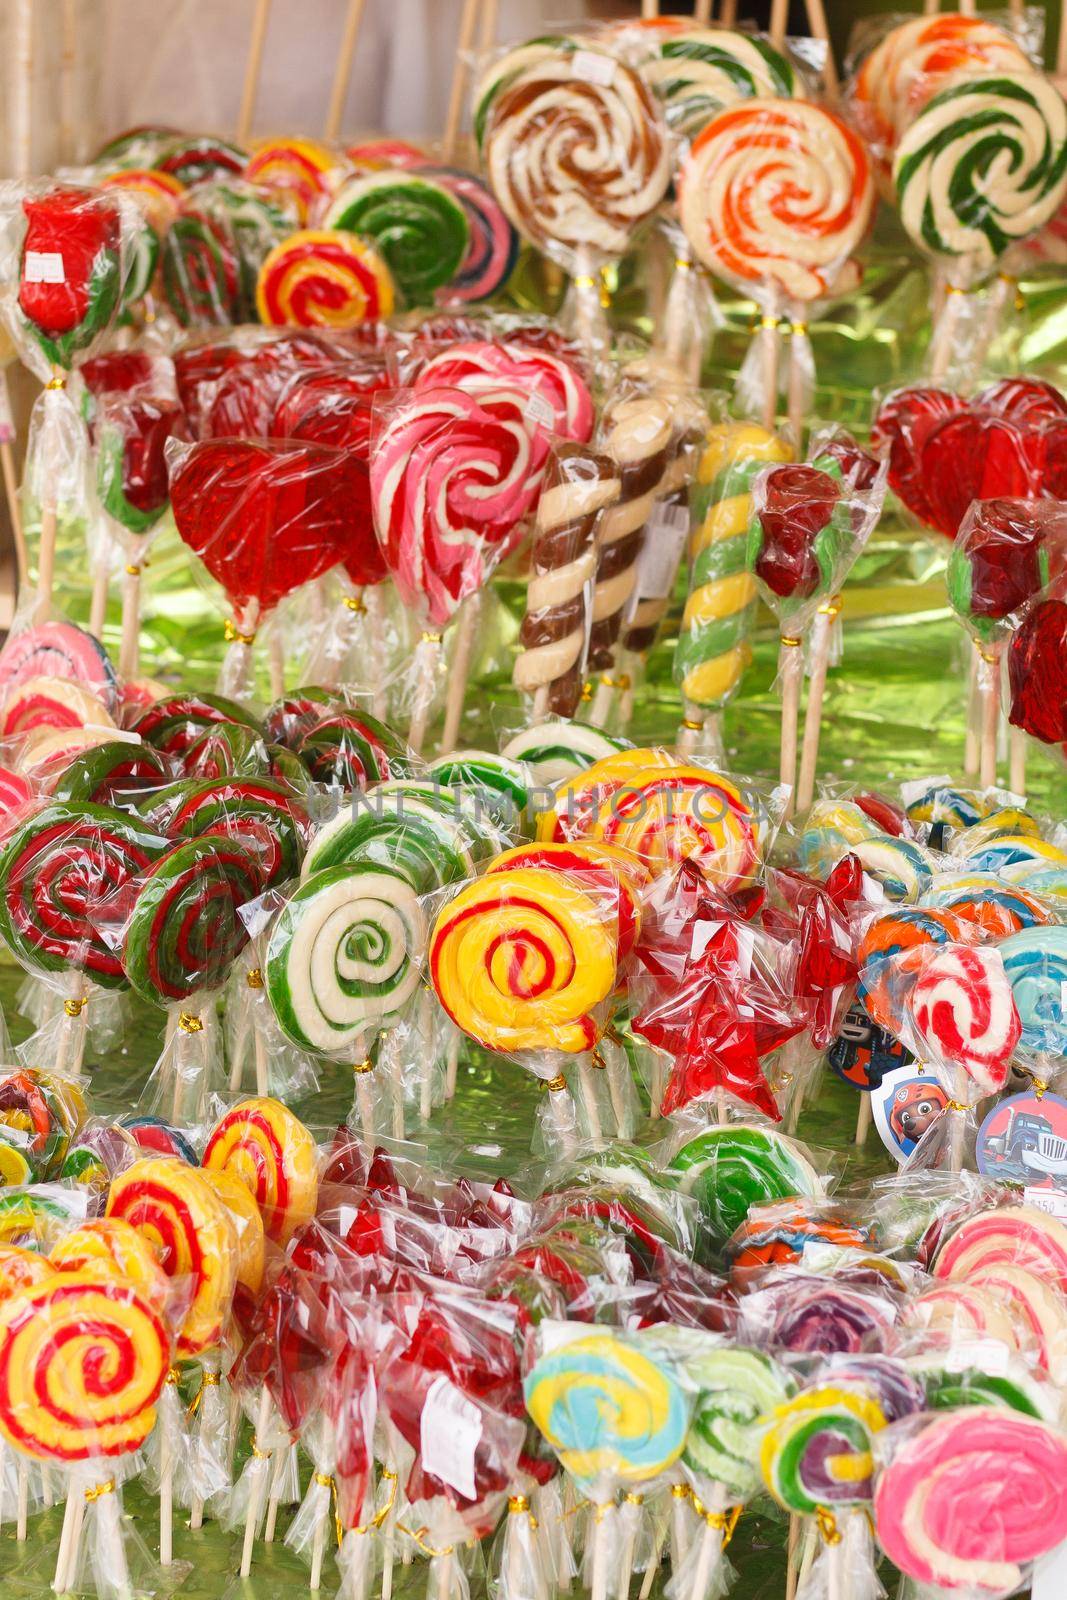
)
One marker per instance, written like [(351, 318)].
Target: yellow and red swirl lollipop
[(261, 1143), (324, 278), (294, 168), (180, 1216), (524, 959), (110, 1248), (21, 1269), (82, 1363)]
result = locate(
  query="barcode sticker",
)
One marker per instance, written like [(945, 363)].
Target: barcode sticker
[(450, 1429), (7, 421), (592, 67), (539, 411), (657, 565), (1051, 1201), (43, 266)]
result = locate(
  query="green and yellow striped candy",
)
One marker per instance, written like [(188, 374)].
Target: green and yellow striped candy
[(713, 648)]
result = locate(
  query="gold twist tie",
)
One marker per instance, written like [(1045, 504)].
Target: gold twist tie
[(360, 1067), (631, 1499), (99, 1491), (597, 1060), (172, 1376), (419, 1536), (1040, 1086), (607, 680), (683, 264), (725, 1521), (768, 323), (585, 280), (826, 1523), (233, 634), (601, 1509), (955, 1105), (74, 1008), (382, 1513), (587, 691), (623, 681), (254, 977), (260, 1455), (554, 1085), (133, 568), (832, 607), (428, 637), (208, 1380), (692, 724), (519, 1506), (799, 329), (988, 657), (58, 380), (790, 641), (680, 1491), (190, 1024), (355, 604)]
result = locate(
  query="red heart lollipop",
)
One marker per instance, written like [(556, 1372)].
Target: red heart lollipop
[(264, 518), (1037, 672), (1022, 399), (978, 456), (902, 425)]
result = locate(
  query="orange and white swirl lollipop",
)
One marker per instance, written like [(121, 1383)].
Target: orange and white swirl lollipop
[(185, 1222), (323, 278), (82, 1364), (777, 193)]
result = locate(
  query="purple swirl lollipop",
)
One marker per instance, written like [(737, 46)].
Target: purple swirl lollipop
[(814, 1317), (898, 1391)]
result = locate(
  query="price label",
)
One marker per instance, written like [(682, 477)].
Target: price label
[(43, 266), (657, 565), (448, 1436), (592, 67), (985, 1355), (1052, 1201), (539, 411)]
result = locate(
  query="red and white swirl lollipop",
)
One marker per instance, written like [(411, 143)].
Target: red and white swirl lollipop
[(452, 476), (963, 1011), (481, 366), (774, 197)]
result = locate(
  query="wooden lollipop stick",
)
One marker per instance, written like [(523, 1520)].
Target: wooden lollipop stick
[(792, 675), (649, 9), (466, 635), (130, 647), (250, 87), (702, 13), (989, 685), (779, 22), (490, 19), (970, 749), (259, 1484), (863, 1119), (770, 340), (430, 646), (1017, 758), (1061, 43), (819, 30), (820, 658), (339, 92), (468, 24), (98, 601)]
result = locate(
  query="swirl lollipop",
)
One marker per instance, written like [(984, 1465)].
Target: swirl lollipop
[(298, 169), (319, 278), (261, 1143), (418, 225), (774, 197), (577, 155), (982, 166)]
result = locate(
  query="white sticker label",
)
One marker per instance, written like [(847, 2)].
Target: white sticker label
[(448, 1437), (1051, 1201), (7, 421), (592, 67), (539, 411), (1050, 1575), (43, 266), (873, 891), (665, 539), (985, 1355)]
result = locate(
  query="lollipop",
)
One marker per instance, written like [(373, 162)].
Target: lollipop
[(192, 159), (295, 168), (82, 1363), (977, 1457), (493, 247), (343, 956), (58, 650), (522, 960), (557, 750), (261, 1143), (418, 226), (816, 1453), (180, 1217), (963, 1009), (323, 279), (69, 270), (577, 155), (713, 649), (1012, 1236), (736, 1389), (695, 72), (1035, 961), (110, 1248), (731, 1169), (201, 265)]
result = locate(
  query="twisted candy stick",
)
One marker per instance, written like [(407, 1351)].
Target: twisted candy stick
[(323, 278), (578, 485), (261, 1143), (982, 1455), (713, 650)]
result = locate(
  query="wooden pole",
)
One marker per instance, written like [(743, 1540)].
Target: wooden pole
[(1061, 43), (467, 26), (702, 13), (68, 119), (255, 60), (339, 92), (490, 18), (22, 98), (819, 30)]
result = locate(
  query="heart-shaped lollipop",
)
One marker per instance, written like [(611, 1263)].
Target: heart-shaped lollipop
[(978, 456)]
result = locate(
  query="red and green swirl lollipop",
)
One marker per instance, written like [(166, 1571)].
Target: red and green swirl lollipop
[(257, 813), (172, 724), (201, 265), (185, 930), (62, 874)]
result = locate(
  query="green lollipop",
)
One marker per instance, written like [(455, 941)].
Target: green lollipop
[(417, 225)]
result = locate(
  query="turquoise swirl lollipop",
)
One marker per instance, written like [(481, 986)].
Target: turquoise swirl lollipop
[(1035, 960), (610, 1412), (417, 225)]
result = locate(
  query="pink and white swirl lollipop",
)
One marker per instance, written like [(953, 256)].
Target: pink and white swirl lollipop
[(452, 476), (577, 154), (963, 1011), (481, 366), (774, 197)]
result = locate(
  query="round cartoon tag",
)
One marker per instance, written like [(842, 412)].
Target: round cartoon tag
[(905, 1105), (863, 1052), (1024, 1140)]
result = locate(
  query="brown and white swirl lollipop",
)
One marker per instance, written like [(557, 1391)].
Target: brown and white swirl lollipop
[(579, 484), (577, 154)]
